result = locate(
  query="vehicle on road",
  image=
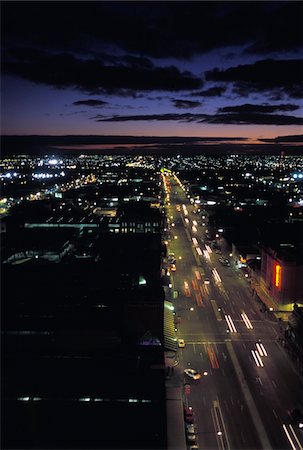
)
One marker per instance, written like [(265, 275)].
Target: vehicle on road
[(171, 257), (189, 414), (190, 428), (206, 281), (173, 267), (192, 373), (181, 343), (191, 437), (224, 262)]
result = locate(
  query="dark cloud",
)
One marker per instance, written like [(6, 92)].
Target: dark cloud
[(227, 119), (185, 104), (248, 108), (92, 76), (254, 119), (263, 76), (161, 29), (215, 91), (186, 117), (292, 138), (137, 62), (90, 102)]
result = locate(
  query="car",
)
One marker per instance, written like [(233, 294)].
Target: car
[(181, 343), (189, 414), (224, 262), (190, 428), (206, 281), (191, 437), (194, 447), (173, 267), (192, 373)]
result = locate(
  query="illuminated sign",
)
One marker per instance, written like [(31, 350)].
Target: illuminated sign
[(278, 274)]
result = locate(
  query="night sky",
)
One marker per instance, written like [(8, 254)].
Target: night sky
[(221, 69)]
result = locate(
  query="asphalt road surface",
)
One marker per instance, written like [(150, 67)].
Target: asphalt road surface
[(248, 384)]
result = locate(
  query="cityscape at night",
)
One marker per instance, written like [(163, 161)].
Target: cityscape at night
[(151, 214)]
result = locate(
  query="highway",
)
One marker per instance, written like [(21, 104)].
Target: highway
[(248, 384)]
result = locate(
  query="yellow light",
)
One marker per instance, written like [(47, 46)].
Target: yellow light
[(278, 273)]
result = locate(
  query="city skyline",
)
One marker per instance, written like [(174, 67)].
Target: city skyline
[(198, 69)]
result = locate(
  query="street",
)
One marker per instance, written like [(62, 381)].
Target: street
[(248, 384)]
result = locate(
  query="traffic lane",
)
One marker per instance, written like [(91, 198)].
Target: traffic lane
[(200, 397), (233, 404), (220, 385), (285, 384), (269, 401)]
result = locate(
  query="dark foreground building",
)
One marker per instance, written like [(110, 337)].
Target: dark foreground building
[(83, 349)]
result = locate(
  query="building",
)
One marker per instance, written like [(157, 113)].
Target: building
[(282, 264)]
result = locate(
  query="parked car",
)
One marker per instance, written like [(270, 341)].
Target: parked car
[(181, 343), (190, 428), (191, 438), (192, 373), (189, 414)]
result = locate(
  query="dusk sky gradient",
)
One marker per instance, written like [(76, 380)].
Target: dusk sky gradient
[(222, 69)]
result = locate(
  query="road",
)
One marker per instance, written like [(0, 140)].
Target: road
[(242, 401)]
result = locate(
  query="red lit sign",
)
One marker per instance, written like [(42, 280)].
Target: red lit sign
[(278, 274)]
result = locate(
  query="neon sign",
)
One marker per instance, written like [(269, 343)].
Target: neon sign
[(278, 274)]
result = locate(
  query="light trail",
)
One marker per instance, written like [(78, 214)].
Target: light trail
[(195, 285), (261, 349), (212, 357), (257, 358), (199, 299), (199, 251), (195, 241), (247, 321), (293, 446), (195, 223), (197, 273), (230, 324), (208, 248), (206, 254), (295, 436), (216, 276), (187, 291), (194, 229)]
